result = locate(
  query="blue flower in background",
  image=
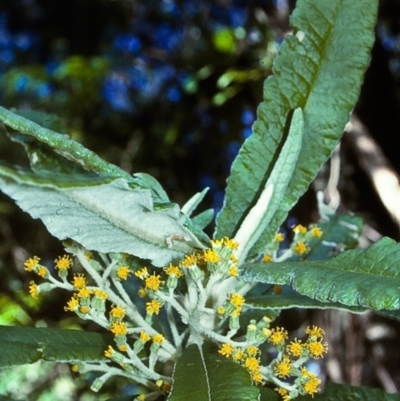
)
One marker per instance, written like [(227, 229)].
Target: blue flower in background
[(127, 43), (174, 94), (168, 38), (44, 90), (21, 84), (116, 93), (247, 116)]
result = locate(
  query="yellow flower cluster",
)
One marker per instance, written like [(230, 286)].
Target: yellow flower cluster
[(287, 364), (248, 357)]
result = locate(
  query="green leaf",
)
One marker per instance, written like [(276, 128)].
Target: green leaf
[(260, 215), (364, 277), (313, 70), (62, 145), (342, 231), (202, 374), (269, 395), (203, 219), (102, 214), (150, 182), (288, 299), (22, 345), (343, 392)]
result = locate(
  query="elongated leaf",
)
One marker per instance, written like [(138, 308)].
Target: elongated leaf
[(61, 144), (259, 217), (22, 345), (202, 374), (342, 231), (313, 70), (288, 299), (102, 214), (343, 392), (364, 277)]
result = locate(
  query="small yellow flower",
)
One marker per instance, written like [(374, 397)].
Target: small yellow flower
[(158, 338), (233, 271), (300, 248), (63, 262), (236, 299), (267, 258), (144, 336), (88, 255), (142, 273), (299, 229), (210, 256), (172, 270), (84, 309), (284, 393), (109, 351), (75, 368), (226, 350), (100, 294), (31, 263), (257, 377), (84, 293), (189, 261), (279, 237), (252, 350), (221, 310), (252, 364), (316, 232), (142, 292), (123, 347), (79, 281), (231, 243), (315, 331), (295, 348), (119, 328), (278, 336), (117, 312), (239, 355), (33, 289), (42, 272), (72, 304), (153, 307), (217, 243), (310, 382), (153, 282), (317, 349), (123, 272), (282, 368)]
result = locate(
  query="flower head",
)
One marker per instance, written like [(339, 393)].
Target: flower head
[(31, 263), (283, 368), (158, 338), (118, 328), (142, 273), (42, 271), (236, 299), (189, 261), (123, 272), (153, 306), (211, 256), (109, 352), (233, 271), (117, 312), (79, 281), (172, 270), (231, 243), (278, 336), (317, 349), (300, 248), (63, 263), (299, 229), (316, 232), (295, 348), (33, 289), (315, 331), (72, 304), (279, 237), (267, 258), (153, 282), (226, 350)]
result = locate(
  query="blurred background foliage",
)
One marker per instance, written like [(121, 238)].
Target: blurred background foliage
[(167, 87)]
